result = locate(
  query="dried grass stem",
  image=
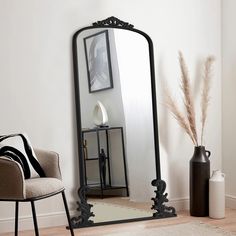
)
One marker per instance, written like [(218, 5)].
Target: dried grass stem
[(205, 92), (188, 100), (187, 122)]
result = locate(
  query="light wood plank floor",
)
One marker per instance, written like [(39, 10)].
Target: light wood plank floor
[(229, 224)]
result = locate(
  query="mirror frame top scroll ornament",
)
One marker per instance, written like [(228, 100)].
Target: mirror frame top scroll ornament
[(84, 208)]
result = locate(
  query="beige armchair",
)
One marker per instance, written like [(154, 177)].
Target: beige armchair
[(13, 186)]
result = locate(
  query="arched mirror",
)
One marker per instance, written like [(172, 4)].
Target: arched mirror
[(117, 126)]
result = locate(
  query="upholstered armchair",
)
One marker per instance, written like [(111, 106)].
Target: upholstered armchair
[(14, 187)]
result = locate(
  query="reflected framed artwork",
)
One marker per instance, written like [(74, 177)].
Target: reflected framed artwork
[(98, 60)]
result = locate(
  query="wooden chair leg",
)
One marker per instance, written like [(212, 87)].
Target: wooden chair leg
[(67, 213), (35, 219), (16, 217)]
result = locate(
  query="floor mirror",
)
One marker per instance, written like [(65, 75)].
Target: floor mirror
[(117, 127)]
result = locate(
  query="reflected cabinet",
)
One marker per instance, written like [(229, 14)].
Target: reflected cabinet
[(98, 168)]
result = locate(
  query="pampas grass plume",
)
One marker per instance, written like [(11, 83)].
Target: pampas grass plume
[(187, 122)]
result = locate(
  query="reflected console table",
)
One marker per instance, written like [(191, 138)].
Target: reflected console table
[(104, 157)]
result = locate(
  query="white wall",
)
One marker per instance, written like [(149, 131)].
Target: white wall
[(229, 98), (37, 91), (194, 27)]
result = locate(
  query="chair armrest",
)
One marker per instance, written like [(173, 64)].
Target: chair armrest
[(49, 161), (12, 184)]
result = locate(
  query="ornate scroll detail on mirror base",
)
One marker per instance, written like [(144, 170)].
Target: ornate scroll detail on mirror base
[(162, 210), (113, 21), (85, 209)]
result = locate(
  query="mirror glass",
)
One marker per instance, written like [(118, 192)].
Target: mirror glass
[(117, 122)]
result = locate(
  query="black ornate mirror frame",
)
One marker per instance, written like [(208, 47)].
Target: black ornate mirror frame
[(162, 211)]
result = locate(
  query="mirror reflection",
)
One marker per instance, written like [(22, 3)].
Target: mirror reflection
[(117, 123)]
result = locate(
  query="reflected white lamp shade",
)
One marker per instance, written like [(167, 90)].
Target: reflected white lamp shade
[(100, 117)]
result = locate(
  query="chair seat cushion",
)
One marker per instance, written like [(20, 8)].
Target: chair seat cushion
[(39, 187)]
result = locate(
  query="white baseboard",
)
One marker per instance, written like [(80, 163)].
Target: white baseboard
[(230, 201), (59, 218), (179, 203), (183, 203), (26, 222)]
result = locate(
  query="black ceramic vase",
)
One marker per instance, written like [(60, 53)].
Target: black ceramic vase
[(199, 182)]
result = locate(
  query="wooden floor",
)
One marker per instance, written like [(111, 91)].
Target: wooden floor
[(229, 224)]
